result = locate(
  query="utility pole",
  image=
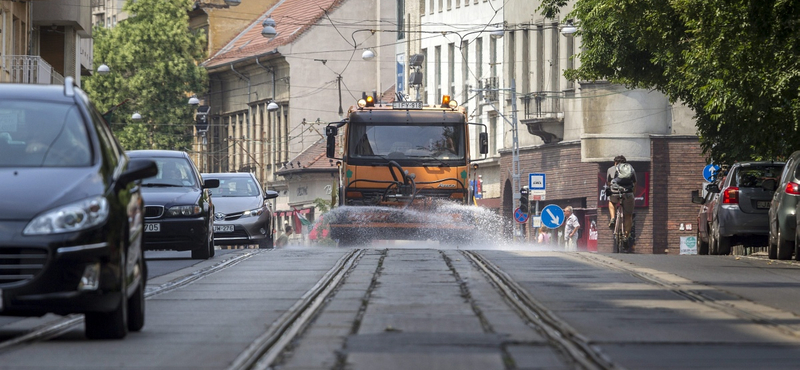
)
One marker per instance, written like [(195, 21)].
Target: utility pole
[(515, 166)]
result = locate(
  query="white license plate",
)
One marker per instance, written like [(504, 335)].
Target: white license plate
[(762, 204), (152, 228), (223, 228), (407, 105)]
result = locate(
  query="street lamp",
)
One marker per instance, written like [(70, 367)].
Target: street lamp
[(269, 28), (136, 116), (368, 54), (103, 69), (193, 101), (569, 28)]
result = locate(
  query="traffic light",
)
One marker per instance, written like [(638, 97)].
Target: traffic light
[(201, 118), (523, 199)]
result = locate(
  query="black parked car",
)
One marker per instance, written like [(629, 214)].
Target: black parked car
[(71, 214), (179, 214)]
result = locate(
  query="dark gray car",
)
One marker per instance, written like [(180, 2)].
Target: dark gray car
[(243, 216), (739, 215), (783, 236)]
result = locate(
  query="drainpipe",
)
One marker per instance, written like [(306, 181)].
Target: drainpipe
[(274, 125), (249, 109)]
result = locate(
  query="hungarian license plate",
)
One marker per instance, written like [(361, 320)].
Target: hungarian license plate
[(223, 228), (762, 204), (152, 228), (407, 105)]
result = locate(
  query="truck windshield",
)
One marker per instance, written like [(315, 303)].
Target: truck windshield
[(404, 141)]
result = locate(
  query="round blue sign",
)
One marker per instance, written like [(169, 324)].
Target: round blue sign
[(710, 172), (552, 216), (520, 216)]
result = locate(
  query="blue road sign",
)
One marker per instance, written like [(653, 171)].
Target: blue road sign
[(537, 181), (710, 172), (520, 216), (552, 216)]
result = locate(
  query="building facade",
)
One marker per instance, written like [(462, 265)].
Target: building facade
[(44, 41)]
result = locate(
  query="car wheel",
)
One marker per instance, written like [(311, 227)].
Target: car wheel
[(136, 306), (797, 245), (702, 247), (772, 248), (203, 252), (110, 325), (785, 247), (266, 243), (723, 245)]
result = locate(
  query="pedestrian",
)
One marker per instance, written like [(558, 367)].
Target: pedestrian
[(544, 235), (284, 238), (571, 230)]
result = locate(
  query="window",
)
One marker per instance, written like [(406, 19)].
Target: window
[(464, 71), (437, 77), (479, 57), (512, 56), (424, 71), (493, 134), (451, 69)]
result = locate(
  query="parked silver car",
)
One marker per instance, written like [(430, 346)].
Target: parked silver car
[(739, 213), (783, 231), (243, 214)]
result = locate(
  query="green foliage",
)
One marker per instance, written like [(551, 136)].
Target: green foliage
[(735, 63), (154, 60), (322, 205)]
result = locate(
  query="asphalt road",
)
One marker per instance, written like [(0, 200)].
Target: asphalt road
[(420, 306)]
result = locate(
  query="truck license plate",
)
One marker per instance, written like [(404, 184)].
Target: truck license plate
[(762, 204), (223, 228), (152, 228)]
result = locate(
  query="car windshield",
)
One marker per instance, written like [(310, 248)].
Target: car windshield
[(172, 172), (753, 177), (402, 141), (42, 134), (236, 187)]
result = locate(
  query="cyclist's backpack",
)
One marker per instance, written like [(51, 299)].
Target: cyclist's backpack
[(625, 174)]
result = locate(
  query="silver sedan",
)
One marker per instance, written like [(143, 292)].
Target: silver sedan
[(243, 214)]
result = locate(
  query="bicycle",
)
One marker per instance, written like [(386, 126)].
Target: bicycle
[(621, 243)]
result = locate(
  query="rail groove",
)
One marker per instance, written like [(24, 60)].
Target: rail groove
[(69, 322), (561, 335), (266, 348)]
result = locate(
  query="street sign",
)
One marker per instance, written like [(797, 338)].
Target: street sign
[(536, 181), (552, 216), (710, 172), (520, 216)]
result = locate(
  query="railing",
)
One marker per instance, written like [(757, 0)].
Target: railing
[(30, 69), (541, 104)]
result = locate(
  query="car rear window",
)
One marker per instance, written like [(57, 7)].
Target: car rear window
[(42, 134), (754, 176)]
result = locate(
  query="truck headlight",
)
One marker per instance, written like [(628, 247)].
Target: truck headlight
[(71, 217)]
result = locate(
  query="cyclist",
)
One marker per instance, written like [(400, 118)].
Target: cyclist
[(621, 181)]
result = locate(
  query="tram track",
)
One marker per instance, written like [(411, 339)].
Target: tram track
[(741, 308), (267, 348), (62, 325), (569, 342)]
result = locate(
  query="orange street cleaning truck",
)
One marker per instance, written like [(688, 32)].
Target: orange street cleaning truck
[(405, 174)]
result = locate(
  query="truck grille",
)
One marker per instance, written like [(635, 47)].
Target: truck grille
[(20, 264)]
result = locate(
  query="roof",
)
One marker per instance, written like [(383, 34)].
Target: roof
[(313, 159), (292, 19)]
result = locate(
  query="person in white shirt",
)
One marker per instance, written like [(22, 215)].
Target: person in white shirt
[(571, 230)]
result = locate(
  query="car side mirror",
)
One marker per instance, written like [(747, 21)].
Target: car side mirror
[(210, 183), (137, 169), (712, 188), (270, 194), (696, 198), (483, 139), (769, 185)]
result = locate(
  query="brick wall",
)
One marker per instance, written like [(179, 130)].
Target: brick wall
[(675, 170)]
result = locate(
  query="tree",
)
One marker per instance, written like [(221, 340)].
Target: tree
[(735, 63), (154, 59)]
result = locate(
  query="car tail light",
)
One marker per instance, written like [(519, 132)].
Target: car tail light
[(792, 188), (730, 195)]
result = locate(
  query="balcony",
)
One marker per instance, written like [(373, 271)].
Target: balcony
[(544, 116), (28, 69)]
